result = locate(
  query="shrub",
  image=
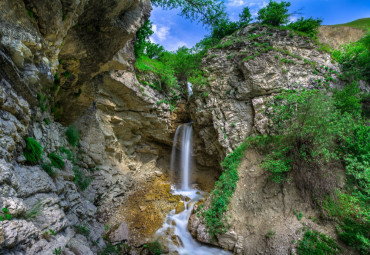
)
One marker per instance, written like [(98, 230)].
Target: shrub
[(33, 152), (67, 152), (314, 242), (215, 217), (48, 168), (308, 26), (154, 248), (56, 160), (355, 60), (274, 14), (72, 135), (81, 179)]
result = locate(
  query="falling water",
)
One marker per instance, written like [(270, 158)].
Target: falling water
[(190, 89), (176, 225), (184, 157)]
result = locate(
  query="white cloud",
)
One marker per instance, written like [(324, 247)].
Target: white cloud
[(160, 32), (236, 3), (174, 46), (292, 19)]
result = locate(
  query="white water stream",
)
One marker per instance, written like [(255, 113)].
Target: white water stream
[(175, 227)]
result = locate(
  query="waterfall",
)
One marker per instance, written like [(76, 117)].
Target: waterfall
[(185, 158), (190, 89), (175, 226)]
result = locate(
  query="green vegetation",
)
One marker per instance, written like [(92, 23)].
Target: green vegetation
[(5, 215), (81, 179), (360, 23), (274, 14), (270, 234), (33, 152), (215, 216), (57, 251), (310, 131), (73, 135), (308, 26), (153, 248), (355, 59), (34, 210), (67, 152), (56, 160), (83, 229), (48, 168), (316, 243)]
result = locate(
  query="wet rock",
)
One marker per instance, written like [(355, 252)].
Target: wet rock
[(180, 207), (177, 240)]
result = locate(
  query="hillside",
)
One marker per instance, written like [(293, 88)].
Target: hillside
[(360, 24)]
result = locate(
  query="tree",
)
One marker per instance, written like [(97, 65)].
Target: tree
[(142, 37), (274, 14), (245, 17), (208, 12)]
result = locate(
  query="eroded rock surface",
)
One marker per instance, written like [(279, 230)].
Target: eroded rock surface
[(243, 71)]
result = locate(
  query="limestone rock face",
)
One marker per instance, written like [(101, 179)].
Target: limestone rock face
[(336, 36), (243, 71)]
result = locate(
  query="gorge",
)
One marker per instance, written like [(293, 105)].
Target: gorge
[(101, 153)]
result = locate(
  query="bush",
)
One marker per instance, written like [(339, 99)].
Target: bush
[(215, 218), (73, 136), (274, 14), (355, 60), (56, 160), (81, 179), (154, 248), (33, 152), (314, 242), (308, 26)]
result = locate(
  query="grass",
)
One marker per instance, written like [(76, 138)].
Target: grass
[(83, 229), (73, 135), (314, 242), (81, 179), (215, 217), (56, 160), (360, 23), (33, 152)]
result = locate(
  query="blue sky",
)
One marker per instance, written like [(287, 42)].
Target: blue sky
[(173, 31)]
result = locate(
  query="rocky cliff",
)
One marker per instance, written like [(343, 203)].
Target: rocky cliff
[(58, 64), (244, 71)]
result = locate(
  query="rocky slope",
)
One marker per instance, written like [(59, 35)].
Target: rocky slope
[(244, 71)]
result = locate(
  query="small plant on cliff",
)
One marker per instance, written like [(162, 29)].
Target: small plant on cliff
[(33, 152), (215, 217), (5, 215), (57, 251), (153, 248), (83, 229), (81, 179), (56, 160), (314, 242), (73, 135), (48, 168)]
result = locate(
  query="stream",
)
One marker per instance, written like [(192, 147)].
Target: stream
[(175, 227)]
